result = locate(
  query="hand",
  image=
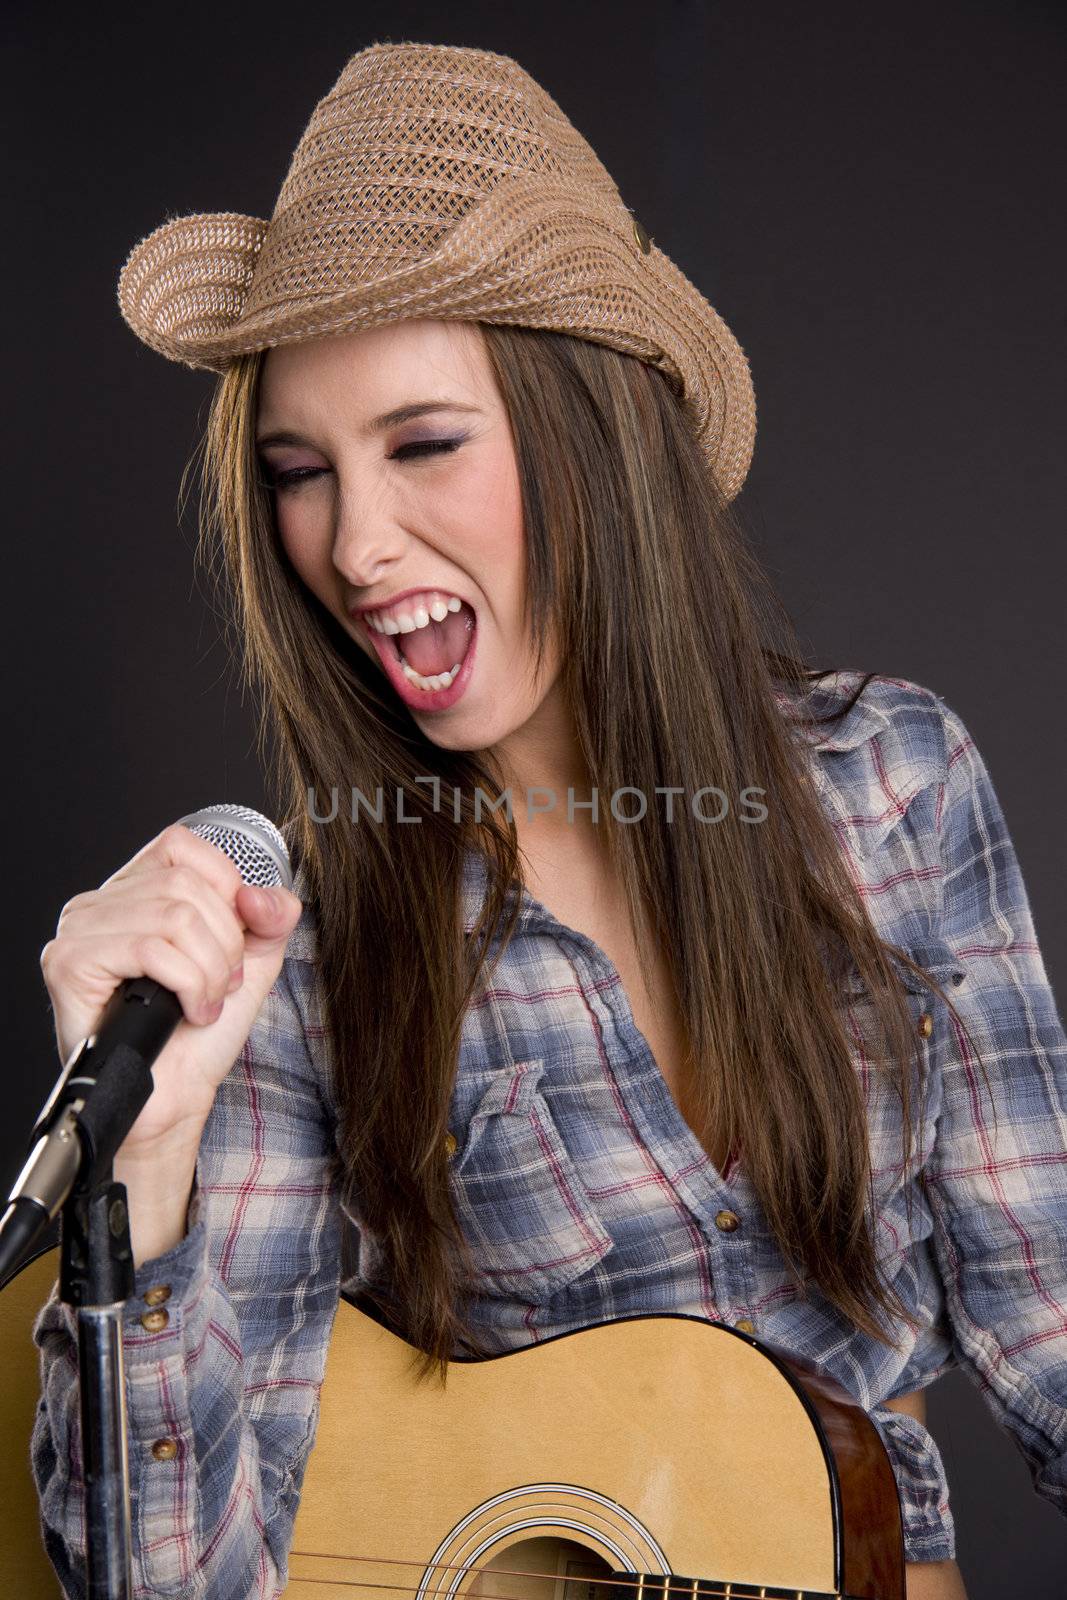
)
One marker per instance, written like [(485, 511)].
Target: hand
[(179, 913)]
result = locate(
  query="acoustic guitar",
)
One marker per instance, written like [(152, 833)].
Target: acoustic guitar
[(657, 1456)]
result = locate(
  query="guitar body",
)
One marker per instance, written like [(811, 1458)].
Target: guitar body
[(653, 1446)]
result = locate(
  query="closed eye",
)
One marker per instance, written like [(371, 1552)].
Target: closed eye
[(289, 480), (419, 448), (425, 447)]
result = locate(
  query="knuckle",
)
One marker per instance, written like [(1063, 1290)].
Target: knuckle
[(198, 856), (185, 881), (71, 906), (145, 949), (180, 916)]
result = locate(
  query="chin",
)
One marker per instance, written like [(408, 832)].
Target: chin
[(469, 726), (462, 729)]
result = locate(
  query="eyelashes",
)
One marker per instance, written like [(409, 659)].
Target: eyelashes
[(428, 446), (418, 449), (287, 480)]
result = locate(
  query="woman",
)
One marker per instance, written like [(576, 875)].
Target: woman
[(674, 1035)]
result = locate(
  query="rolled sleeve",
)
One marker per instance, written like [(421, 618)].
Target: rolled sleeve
[(929, 1530)]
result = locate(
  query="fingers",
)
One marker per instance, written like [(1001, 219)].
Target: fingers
[(178, 846), (96, 961), (103, 938), (175, 901)]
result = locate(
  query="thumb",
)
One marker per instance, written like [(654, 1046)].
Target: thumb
[(270, 915)]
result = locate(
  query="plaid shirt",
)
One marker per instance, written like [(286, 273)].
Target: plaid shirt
[(586, 1196)]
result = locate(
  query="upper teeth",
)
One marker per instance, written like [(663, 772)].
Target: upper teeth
[(416, 612)]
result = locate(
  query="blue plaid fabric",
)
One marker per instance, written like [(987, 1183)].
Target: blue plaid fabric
[(586, 1196)]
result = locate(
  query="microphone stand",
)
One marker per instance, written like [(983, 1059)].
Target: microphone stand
[(96, 1279), (84, 1122)]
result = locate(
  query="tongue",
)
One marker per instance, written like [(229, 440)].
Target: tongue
[(438, 646)]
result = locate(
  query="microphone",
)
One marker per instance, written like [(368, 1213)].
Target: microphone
[(108, 1078)]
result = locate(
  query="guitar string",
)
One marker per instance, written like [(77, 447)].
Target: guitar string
[(729, 1593), (647, 1582), (689, 1586)]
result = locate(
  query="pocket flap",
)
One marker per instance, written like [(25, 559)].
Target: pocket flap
[(511, 1094), (936, 958), (932, 955)]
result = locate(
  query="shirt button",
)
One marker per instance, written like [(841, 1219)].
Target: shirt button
[(156, 1296), (154, 1321), (165, 1449), (926, 1024), (745, 1325), (450, 1145), (727, 1221)]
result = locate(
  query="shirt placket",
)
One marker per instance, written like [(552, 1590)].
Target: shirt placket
[(719, 1210)]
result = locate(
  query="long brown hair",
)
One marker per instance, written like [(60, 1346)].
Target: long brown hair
[(679, 661)]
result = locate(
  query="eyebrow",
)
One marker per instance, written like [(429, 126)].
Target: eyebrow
[(388, 419)]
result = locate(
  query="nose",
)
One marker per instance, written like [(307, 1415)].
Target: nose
[(362, 574), (367, 542)]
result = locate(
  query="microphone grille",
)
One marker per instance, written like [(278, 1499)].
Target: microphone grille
[(251, 841)]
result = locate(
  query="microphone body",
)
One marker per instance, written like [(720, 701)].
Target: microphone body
[(108, 1078)]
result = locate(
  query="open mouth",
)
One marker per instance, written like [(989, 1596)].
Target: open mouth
[(426, 646)]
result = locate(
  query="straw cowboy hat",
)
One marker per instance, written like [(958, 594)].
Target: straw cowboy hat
[(444, 182)]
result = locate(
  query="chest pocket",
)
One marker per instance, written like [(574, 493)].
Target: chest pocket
[(931, 1023), (521, 1204)]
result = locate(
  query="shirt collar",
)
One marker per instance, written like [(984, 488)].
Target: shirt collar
[(826, 697), (474, 886)]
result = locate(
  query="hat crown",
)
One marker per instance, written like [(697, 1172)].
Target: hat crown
[(410, 139)]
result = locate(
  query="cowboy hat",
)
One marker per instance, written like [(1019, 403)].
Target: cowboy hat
[(444, 182)]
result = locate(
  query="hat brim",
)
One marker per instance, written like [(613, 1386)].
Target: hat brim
[(185, 285)]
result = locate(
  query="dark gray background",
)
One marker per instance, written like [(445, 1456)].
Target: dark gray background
[(874, 201)]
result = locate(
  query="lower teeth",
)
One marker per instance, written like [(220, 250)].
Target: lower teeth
[(440, 680)]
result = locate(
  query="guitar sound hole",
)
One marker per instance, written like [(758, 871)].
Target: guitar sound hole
[(540, 1568)]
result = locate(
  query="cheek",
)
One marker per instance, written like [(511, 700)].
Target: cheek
[(492, 532), (304, 544)]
